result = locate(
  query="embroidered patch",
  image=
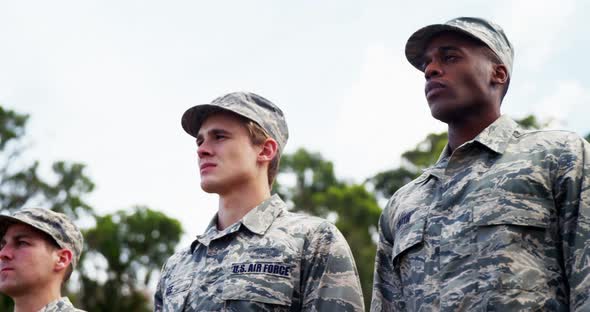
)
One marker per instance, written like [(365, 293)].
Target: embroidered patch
[(279, 269), (405, 218)]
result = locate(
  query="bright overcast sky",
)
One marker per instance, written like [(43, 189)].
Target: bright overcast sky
[(106, 82)]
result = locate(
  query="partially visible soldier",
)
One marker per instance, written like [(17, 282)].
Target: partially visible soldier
[(502, 221), (254, 255), (38, 252)]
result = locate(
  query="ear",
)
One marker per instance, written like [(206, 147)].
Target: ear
[(64, 258), (499, 74), (269, 150)]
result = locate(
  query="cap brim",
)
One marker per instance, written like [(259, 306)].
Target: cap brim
[(6, 221), (418, 41), (193, 118)]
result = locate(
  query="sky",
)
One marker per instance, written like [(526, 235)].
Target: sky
[(106, 82)]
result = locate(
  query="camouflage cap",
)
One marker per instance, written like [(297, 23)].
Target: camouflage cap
[(246, 104), (55, 224), (487, 32)]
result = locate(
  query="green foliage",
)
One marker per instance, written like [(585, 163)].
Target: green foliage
[(318, 192), (135, 244), (131, 244), (13, 126), (313, 175), (426, 152), (588, 137), (357, 216), (388, 182), (424, 155), (530, 122)]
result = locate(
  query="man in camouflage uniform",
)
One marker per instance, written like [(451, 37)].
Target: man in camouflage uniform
[(38, 252), (254, 255), (502, 221)]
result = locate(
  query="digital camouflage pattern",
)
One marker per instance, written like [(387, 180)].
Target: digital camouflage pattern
[(57, 225), (271, 260), (485, 31), (501, 224), (63, 304), (252, 106)]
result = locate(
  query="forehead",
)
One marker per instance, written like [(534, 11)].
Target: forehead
[(22, 229), (452, 40), (222, 121)]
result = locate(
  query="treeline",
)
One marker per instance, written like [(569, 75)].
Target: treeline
[(125, 250)]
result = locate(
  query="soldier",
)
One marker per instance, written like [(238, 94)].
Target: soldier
[(254, 255), (38, 252), (502, 221)]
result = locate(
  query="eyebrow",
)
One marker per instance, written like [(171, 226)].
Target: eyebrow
[(214, 132), (17, 237)]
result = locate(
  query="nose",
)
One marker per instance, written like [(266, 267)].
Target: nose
[(432, 69), (204, 149), (5, 253)]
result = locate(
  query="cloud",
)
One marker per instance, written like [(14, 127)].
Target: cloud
[(568, 105), (535, 28), (384, 114)]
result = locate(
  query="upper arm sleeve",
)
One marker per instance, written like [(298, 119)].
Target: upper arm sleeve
[(158, 295), (386, 282), (330, 280), (573, 203)]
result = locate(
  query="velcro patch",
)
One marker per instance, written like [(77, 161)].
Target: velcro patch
[(270, 268), (405, 218)]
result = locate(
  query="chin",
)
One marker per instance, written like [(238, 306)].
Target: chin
[(208, 187)]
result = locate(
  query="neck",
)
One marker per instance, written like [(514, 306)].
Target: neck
[(467, 129), (34, 301), (236, 204)]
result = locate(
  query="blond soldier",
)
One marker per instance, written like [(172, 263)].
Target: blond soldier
[(38, 252), (502, 221), (254, 255)]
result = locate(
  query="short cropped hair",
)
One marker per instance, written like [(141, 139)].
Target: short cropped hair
[(257, 137)]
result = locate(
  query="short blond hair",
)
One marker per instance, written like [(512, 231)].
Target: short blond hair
[(257, 137)]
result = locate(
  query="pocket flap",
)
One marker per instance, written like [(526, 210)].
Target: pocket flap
[(407, 236), (262, 288), (511, 210)]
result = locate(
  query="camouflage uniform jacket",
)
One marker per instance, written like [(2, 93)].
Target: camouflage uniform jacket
[(501, 224), (271, 260), (62, 304)]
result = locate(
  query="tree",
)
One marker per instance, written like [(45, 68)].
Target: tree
[(135, 244), (128, 246), (22, 186), (424, 155), (355, 211)]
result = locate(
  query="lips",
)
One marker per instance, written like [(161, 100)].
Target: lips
[(433, 87), (206, 165), (6, 269)]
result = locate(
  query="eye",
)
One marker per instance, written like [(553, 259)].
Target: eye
[(199, 142), (22, 243), (451, 58), (220, 136)]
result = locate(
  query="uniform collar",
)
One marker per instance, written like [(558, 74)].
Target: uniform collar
[(257, 221), (496, 137), (58, 305)]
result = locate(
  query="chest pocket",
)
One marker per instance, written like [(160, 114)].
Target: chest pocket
[(257, 292), (512, 242)]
